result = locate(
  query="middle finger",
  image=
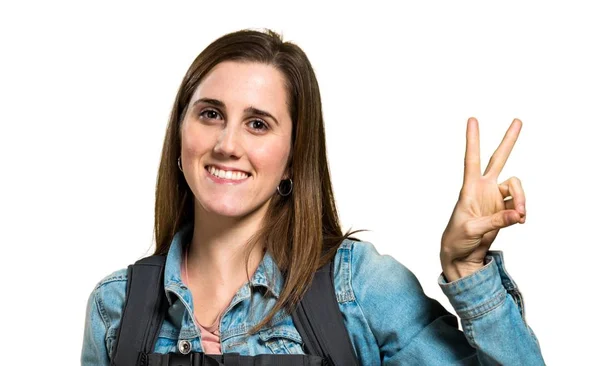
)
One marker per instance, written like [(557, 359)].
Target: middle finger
[(500, 156)]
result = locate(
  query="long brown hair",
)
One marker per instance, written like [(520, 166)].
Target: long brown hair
[(302, 231)]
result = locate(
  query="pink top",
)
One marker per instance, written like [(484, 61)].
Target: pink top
[(211, 341)]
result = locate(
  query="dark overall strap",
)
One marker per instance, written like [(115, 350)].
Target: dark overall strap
[(144, 305), (232, 359), (319, 321)]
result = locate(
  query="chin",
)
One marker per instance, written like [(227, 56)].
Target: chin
[(229, 212), (225, 208)]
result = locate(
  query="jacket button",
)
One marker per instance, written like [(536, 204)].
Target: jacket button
[(184, 346)]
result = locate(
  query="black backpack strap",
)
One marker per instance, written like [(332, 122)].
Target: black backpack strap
[(143, 312), (319, 321), (232, 359)]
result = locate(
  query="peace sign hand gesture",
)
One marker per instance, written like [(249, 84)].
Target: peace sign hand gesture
[(484, 206)]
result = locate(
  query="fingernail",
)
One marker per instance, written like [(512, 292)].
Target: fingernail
[(521, 209)]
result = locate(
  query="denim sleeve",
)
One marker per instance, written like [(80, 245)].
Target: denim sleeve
[(492, 315), (392, 322), (94, 350), (103, 316)]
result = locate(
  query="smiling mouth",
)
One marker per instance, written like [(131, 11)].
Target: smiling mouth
[(226, 174)]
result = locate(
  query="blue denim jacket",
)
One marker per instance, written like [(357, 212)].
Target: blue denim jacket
[(388, 317)]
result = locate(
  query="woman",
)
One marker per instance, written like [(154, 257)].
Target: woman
[(245, 214)]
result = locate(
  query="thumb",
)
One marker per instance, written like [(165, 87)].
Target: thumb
[(499, 220)]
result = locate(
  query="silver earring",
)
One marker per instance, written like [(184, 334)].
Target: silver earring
[(179, 163), (285, 187)]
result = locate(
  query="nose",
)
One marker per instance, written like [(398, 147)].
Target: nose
[(227, 144)]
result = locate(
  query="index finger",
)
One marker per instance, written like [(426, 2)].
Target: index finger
[(472, 160)]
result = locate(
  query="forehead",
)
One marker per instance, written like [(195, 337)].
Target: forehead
[(243, 84)]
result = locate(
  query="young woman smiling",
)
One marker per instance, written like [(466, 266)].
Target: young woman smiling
[(245, 215)]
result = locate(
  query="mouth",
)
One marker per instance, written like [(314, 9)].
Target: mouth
[(227, 174)]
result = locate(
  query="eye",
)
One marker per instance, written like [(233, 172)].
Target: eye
[(210, 114), (258, 125)]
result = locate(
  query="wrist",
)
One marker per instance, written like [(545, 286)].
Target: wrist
[(456, 270)]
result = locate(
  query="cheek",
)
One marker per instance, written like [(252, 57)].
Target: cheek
[(195, 141), (271, 158)]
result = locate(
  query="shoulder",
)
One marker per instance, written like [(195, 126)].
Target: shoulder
[(113, 284), (361, 272), (363, 259), (116, 276)]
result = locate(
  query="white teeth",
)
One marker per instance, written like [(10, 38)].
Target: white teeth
[(227, 174)]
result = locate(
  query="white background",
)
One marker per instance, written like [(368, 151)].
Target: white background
[(86, 90)]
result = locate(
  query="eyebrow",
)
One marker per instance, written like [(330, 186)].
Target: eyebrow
[(250, 110)]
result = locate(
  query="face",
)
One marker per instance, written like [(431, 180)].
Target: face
[(236, 139)]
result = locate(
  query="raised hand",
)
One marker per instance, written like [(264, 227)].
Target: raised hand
[(483, 207)]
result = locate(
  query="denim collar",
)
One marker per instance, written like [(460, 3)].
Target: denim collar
[(267, 274)]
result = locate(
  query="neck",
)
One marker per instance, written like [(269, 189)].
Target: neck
[(218, 248)]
